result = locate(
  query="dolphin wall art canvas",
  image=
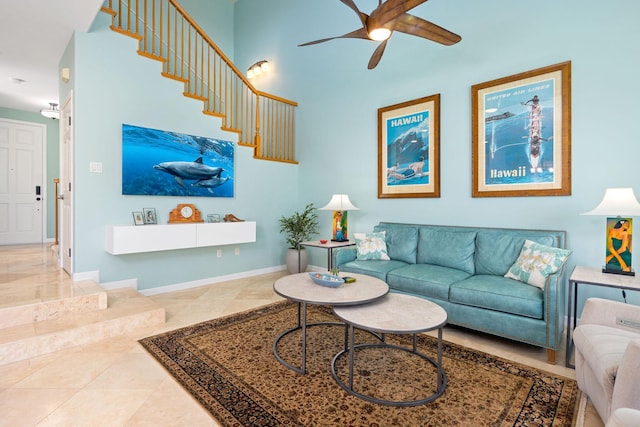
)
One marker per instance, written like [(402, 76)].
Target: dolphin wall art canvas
[(163, 163)]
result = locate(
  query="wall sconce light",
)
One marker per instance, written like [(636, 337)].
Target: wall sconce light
[(618, 205), (65, 75), (258, 68), (339, 204), (52, 112)]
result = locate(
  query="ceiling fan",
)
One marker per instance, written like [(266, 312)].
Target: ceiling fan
[(388, 17)]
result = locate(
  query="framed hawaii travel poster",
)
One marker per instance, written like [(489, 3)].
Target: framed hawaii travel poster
[(522, 134), (409, 149)]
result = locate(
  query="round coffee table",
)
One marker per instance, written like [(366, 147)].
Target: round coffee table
[(301, 289), (393, 314)]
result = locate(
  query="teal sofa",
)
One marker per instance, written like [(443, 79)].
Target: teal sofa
[(462, 269)]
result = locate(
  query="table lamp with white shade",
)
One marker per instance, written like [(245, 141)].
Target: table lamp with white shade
[(618, 205), (339, 204)]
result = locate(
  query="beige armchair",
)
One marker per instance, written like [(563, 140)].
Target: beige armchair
[(624, 417), (607, 343)]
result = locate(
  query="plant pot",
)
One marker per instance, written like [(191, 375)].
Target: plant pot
[(292, 261)]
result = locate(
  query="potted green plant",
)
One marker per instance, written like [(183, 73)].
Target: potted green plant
[(299, 227)]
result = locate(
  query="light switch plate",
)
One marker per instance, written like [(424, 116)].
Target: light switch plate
[(95, 167)]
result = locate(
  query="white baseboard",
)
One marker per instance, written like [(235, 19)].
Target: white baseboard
[(119, 284), (210, 281), (133, 283), (87, 275)]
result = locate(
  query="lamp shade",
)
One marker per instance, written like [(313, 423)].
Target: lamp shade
[(617, 202), (339, 202)]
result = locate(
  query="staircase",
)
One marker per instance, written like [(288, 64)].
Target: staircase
[(168, 34), (43, 311)]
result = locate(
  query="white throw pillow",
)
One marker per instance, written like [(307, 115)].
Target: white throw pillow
[(537, 262), (371, 246)]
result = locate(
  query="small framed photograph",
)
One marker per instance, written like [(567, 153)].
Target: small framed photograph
[(138, 218), (214, 218), (409, 149), (522, 134), (150, 216)]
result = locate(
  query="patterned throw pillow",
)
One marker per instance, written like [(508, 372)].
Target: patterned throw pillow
[(537, 262), (371, 246)]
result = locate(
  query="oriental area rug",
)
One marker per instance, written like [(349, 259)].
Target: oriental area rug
[(229, 366)]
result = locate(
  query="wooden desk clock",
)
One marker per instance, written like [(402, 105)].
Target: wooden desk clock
[(185, 212)]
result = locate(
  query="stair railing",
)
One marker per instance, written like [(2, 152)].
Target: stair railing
[(168, 34)]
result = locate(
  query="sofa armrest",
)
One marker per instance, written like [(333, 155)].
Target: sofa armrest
[(626, 391), (614, 314), (343, 256), (554, 308)]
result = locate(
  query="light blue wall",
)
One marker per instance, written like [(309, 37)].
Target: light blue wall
[(215, 17), (336, 123), (339, 98), (114, 85), (53, 157)]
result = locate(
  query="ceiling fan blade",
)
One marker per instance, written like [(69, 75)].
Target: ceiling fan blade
[(363, 16), (390, 10), (377, 54), (360, 33), (415, 26)]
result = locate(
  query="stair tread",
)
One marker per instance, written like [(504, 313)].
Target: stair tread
[(127, 310), (25, 303), (31, 291)]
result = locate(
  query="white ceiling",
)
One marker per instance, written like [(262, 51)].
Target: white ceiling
[(33, 37)]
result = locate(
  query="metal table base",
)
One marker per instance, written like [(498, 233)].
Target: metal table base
[(441, 384), (302, 325)]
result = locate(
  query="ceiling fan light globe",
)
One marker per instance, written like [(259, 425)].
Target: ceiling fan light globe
[(250, 73), (379, 34), (264, 67), (257, 70)]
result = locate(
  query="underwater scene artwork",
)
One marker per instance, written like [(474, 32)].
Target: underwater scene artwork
[(164, 163)]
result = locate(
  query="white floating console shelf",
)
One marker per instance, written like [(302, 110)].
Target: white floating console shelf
[(131, 239)]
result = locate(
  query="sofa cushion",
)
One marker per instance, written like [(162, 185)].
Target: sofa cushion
[(371, 246), (497, 250), (402, 241), (447, 248), (500, 294), (375, 268), (425, 280), (537, 262)]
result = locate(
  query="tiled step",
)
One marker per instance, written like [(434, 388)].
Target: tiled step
[(25, 303), (127, 310)]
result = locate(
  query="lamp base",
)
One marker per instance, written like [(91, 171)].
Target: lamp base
[(611, 271)]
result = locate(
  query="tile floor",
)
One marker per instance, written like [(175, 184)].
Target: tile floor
[(116, 383)]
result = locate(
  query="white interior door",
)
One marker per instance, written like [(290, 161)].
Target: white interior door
[(66, 187), (22, 190)]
